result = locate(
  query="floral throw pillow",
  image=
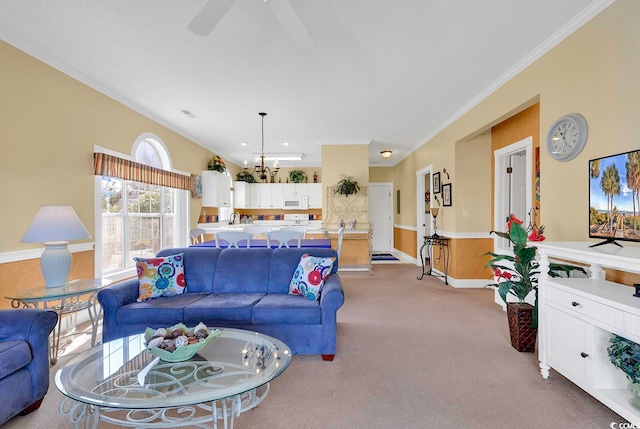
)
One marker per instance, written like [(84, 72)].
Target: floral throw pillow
[(310, 275), (160, 276)]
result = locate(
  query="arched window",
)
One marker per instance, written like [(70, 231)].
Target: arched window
[(137, 219)]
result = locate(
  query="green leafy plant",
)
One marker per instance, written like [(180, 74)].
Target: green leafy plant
[(245, 176), (520, 276), (217, 164), (346, 186), (624, 354), (297, 176)]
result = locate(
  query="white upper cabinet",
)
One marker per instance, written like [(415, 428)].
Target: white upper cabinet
[(315, 195), (295, 189), (271, 195), (216, 189), (241, 197)]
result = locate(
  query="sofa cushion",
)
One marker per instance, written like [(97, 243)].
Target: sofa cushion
[(14, 355), (222, 307), (160, 276), (310, 275), (163, 311), (234, 273), (286, 309), (199, 266), (284, 263)]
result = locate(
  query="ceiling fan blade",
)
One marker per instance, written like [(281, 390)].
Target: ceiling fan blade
[(209, 16), (291, 24)]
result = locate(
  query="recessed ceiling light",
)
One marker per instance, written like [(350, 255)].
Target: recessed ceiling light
[(286, 143), (244, 144)]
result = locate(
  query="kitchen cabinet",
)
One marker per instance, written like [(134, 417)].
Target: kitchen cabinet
[(315, 195), (271, 195), (216, 189), (263, 196), (295, 189), (241, 195), (579, 316)]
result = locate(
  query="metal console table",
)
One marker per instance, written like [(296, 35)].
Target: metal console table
[(63, 300), (443, 246)]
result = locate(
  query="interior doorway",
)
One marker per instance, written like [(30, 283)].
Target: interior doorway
[(513, 186), (424, 220), (381, 216)]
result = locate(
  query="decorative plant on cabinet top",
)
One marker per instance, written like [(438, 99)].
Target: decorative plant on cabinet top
[(245, 176), (217, 164), (297, 176)]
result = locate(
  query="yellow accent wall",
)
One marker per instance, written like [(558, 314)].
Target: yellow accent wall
[(49, 124)]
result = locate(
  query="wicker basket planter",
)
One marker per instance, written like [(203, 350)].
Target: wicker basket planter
[(523, 336)]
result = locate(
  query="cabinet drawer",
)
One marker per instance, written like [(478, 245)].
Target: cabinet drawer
[(587, 307)]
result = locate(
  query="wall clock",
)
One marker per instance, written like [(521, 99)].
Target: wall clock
[(567, 137)]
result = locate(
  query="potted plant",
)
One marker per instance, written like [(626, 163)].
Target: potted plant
[(346, 186), (517, 275), (624, 354), (217, 164), (297, 176), (245, 176)]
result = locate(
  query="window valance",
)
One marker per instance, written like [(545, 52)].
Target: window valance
[(112, 166)]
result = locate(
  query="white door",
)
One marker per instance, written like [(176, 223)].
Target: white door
[(381, 216), (518, 184), (427, 221)]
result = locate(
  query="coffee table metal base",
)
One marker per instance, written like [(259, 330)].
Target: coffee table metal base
[(204, 415)]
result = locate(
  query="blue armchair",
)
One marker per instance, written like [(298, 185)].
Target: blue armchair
[(24, 359)]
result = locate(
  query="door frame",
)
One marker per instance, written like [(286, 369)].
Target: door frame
[(501, 186), (421, 205)]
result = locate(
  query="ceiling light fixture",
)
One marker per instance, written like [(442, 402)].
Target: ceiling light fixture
[(261, 170), (386, 153)]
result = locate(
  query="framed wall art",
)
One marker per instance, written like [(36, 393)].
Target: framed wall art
[(446, 195), (436, 183), (196, 186)]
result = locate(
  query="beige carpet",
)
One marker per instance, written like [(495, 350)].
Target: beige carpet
[(411, 354)]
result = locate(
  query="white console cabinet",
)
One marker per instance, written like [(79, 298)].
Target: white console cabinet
[(578, 316)]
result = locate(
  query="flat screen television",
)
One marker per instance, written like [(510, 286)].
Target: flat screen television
[(614, 198)]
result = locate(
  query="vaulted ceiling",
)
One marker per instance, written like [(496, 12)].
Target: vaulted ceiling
[(387, 73)]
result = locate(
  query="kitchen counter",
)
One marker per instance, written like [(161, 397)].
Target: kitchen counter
[(314, 226)]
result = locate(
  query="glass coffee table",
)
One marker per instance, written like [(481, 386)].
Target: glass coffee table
[(121, 383)]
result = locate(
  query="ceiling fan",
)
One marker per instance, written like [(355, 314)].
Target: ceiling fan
[(213, 11)]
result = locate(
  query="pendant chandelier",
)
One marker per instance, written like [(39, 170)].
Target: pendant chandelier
[(263, 172)]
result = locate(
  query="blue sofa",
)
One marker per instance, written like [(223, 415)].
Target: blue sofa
[(24, 359), (234, 288)]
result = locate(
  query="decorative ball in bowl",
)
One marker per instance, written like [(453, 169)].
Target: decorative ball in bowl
[(178, 343)]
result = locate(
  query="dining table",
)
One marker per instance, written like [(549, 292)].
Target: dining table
[(314, 243)]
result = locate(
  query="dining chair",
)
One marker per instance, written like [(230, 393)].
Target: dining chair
[(284, 237), (233, 237), (299, 228), (340, 237), (256, 230), (197, 235)]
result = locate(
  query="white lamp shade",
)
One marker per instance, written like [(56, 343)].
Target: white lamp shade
[(55, 226), (55, 223)]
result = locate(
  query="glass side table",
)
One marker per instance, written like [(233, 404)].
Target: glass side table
[(63, 300)]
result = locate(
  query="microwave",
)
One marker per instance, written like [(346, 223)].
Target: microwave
[(295, 202)]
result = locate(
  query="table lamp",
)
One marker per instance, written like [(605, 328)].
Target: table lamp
[(434, 213), (55, 226)]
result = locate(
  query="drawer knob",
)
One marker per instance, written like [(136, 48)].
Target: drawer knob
[(583, 354), (575, 304)]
